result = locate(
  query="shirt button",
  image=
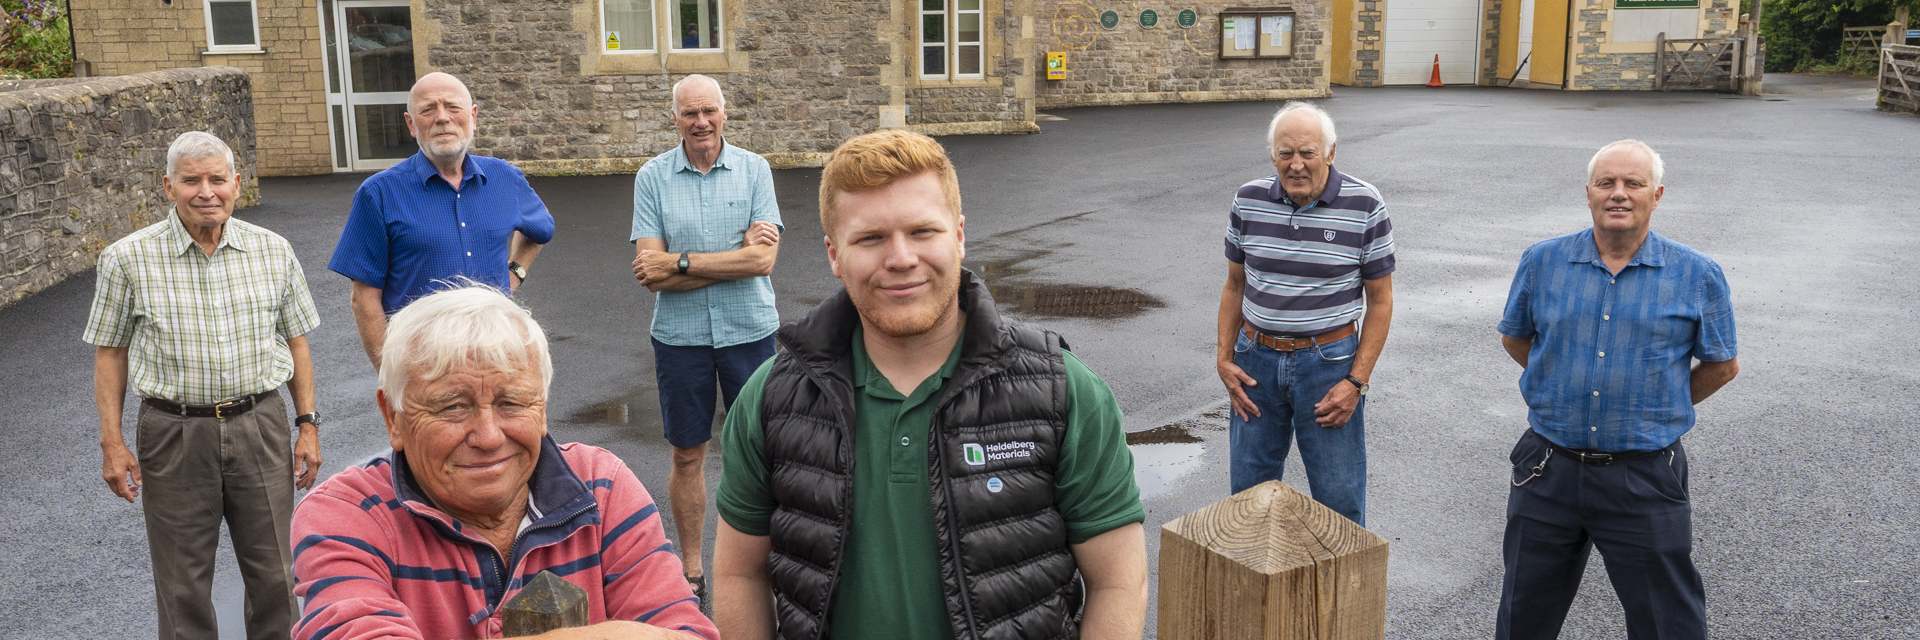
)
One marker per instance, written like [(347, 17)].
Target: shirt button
[(463, 224), (1603, 354), (1593, 428), (469, 254), (1596, 394), (1606, 317), (1296, 226), (1610, 280), (903, 441)]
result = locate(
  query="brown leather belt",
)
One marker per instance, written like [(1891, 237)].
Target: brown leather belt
[(1282, 343), (223, 410)]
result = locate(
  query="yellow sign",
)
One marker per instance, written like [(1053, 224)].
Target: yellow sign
[(613, 41), (1056, 65)]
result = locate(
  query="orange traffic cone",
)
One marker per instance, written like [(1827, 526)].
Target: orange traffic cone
[(1435, 82)]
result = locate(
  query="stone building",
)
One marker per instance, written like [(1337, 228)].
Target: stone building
[(1570, 44), (582, 86)]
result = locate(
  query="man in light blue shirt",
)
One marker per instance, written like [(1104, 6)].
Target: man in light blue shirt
[(1608, 323), (706, 231)]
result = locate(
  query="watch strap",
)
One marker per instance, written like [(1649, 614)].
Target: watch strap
[(1357, 384), (307, 418), (683, 263)]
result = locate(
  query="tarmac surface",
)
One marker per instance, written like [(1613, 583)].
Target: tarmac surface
[(1107, 226)]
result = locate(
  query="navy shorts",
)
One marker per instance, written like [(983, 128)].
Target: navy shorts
[(687, 376)]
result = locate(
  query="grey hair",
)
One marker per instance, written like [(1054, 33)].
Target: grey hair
[(1659, 166), (1326, 123), (467, 327), (197, 145), (673, 108)]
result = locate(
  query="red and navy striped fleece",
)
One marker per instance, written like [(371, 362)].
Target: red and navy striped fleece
[(375, 562)]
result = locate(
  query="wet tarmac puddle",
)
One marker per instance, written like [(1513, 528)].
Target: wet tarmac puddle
[(1163, 455), (1013, 292)]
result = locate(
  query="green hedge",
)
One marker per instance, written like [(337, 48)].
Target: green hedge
[(1803, 34)]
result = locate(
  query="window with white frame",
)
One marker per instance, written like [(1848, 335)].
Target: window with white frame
[(696, 24), (626, 25), (950, 38), (630, 26), (232, 25)]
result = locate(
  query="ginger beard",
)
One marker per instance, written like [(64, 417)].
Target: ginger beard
[(898, 250)]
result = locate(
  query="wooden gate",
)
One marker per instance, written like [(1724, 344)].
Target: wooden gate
[(1701, 63), (1900, 78), (1861, 41)]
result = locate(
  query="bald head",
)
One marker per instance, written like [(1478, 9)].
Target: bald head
[(697, 85), (438, 85), (441, 115)]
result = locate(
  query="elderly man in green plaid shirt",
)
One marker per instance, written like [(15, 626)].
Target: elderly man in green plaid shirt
[(208, 316)]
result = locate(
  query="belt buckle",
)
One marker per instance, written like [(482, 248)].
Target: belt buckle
[(1595, 458), (219, 409)]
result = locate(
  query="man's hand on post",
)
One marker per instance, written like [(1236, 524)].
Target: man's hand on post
[(1237, 380), (120, 469), (1337, 408), (306, 451)]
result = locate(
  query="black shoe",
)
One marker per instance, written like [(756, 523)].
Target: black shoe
[(699, 585)]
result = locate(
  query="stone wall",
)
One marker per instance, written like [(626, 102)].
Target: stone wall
[(1357, 29), (1600, 64), (121, 37), (1133, 65), (81, 162), (799, 78), (1490, 37), (1000, 102)]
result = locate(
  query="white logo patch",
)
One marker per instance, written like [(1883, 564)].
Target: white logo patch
[(975, 455), (1329, 233)]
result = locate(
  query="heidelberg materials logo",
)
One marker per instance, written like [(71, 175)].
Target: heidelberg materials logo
[(977, 455)]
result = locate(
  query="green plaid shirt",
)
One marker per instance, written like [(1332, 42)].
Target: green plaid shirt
[(201, 329)]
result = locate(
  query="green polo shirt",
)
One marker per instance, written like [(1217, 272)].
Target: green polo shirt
[(890, 578)]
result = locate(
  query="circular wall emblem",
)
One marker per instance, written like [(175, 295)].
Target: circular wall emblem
[(995, 485), (1149, 18), (1187, 18), (1109, 19)]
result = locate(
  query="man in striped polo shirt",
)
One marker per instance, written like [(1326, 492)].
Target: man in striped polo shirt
[(1309, 253)]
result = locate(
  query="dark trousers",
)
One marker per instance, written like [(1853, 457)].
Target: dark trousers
[(196, 472), (1635, 511), (687, 377)]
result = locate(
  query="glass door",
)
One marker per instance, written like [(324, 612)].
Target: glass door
[(369, 60)]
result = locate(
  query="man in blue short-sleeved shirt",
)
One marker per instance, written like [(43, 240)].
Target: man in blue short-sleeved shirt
[(1607, 324), (706, 231), (439, 215)]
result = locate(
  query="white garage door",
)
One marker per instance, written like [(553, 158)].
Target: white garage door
[(1417, 30)]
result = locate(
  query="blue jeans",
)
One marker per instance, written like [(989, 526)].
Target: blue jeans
[(687, 376), (1290, 384)]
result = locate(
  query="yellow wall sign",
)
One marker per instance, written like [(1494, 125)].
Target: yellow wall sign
[(613, 41), (1056, 65)]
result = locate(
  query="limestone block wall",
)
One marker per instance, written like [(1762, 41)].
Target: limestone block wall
[(81, 162), (1134, 65), (1357, 30), (1601, 64), (1000, 102), (1490, 38), (121, 37), (799, 78)]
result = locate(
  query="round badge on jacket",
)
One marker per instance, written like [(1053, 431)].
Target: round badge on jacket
[(995, 485)]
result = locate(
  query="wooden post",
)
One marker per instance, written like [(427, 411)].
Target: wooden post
[(1271, 563), (1660, 61), (545, 604)]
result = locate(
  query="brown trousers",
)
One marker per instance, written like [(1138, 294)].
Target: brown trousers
[(194, 473)]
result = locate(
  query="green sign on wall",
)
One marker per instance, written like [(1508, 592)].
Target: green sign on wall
[(1656, 4), (1109, 19), (1187, 18), (1149, 18)]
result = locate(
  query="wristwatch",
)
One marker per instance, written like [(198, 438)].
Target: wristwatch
[(1357, 383), (683, 263), (307, 418), (517, 270)]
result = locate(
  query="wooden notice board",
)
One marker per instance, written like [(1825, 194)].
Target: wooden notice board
[(1256, 33)]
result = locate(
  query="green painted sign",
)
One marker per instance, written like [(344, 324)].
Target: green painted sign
[(1149, 18), (1109, 19), (1656, 4), (1187, 18)]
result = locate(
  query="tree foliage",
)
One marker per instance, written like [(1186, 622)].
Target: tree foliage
[(1804, 33)]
